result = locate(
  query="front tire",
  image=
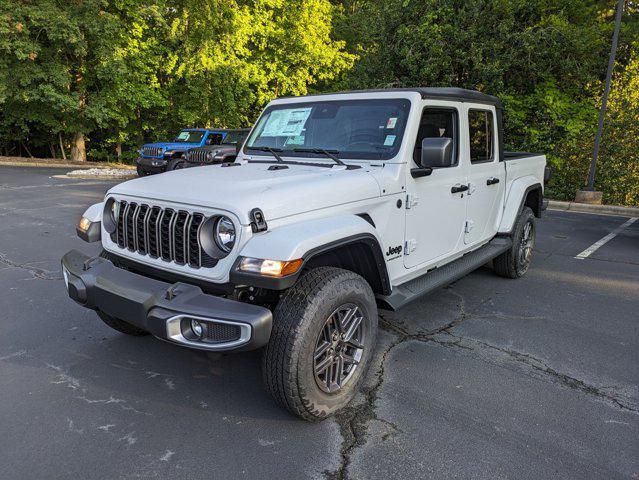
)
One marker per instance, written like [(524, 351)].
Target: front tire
[(324, 332), (175, 164), (514, 263)]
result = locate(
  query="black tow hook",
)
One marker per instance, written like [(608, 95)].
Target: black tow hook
[(171, 292)]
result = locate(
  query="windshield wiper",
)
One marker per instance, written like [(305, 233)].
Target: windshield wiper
[(273, 151), (332, 154)]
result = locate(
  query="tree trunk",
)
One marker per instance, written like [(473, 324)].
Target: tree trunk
[(25, 147), (52, 149), (118, 150), (78, 149), (64, 155)]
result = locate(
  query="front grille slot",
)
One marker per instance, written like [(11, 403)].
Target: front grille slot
[(198, 156), (152, 151), (165, 233)]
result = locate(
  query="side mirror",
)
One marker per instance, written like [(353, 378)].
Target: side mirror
[(208, 141), (437, 152)]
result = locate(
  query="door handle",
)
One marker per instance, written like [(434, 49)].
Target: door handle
[(492, 181), (458, 188)]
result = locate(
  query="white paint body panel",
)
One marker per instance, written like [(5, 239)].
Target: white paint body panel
[(94, 212), (307, 206)]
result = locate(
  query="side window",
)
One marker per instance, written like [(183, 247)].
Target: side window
[(436, 122), (481, 133), (214, 139)]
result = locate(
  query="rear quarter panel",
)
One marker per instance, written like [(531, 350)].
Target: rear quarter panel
[(521, 174)]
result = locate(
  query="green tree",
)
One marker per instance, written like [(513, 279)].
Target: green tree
[(545, 58)]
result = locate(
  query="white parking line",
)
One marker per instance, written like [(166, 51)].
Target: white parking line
[(595, 246)]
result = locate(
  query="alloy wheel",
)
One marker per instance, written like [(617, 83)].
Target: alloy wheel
[(339, 348), (524, 252)]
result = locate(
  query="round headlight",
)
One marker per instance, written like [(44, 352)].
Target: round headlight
[(210, 155), (225, 234), (110, 215)]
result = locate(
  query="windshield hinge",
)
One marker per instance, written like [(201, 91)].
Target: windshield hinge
[(258, 223), (411, 201)]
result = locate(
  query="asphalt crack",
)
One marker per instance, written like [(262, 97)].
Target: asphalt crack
[(34, 271), (354, 420), (540, 366)]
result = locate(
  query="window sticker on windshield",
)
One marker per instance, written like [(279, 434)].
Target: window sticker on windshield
[(392, 121), (183, 135), (298, 140), (286, 123), (390, 139)]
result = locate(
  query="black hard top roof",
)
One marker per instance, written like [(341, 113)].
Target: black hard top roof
[(438, 93), (217, 130)]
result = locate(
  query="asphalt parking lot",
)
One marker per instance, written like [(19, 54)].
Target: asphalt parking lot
[(488, 378)]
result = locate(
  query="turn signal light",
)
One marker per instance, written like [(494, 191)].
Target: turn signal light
[(270, 268), (84, 224)]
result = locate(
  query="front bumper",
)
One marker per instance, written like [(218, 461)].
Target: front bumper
[(152, 164), (162, 308)]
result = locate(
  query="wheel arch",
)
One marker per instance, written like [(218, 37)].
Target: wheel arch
[(524, 192), (360, 254), (348, 241)]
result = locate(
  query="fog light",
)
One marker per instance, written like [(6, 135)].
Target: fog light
[(197, 328)]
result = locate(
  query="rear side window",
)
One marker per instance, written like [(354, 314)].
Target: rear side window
[(481, 130)]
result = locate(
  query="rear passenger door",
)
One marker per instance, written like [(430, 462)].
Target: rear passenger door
[(486, 175)]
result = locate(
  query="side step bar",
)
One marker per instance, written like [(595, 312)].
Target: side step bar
[(414, 289)]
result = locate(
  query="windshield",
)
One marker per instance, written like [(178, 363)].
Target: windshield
[(233, 138), (214, 138), (189, 136), (356, 129)]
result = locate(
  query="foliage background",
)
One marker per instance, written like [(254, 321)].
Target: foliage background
[(103, 76)]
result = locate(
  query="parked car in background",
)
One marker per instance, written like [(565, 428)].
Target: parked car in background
[(336, 204), (164, 156), (225, 152)]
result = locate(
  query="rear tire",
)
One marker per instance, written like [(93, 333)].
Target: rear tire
[(121, 326), (514, 262), (324, 331)]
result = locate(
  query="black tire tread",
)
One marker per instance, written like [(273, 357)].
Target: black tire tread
[(505, 265), (278, 368)]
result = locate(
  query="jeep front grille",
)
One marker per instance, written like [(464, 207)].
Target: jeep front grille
[(198, 156), (152, 151), (172, 235)]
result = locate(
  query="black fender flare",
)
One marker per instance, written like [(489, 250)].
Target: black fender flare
[(367, 240)]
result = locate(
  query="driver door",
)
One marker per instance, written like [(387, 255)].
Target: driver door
[(435, 213)]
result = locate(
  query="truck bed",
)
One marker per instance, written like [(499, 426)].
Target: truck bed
[(516, 155)]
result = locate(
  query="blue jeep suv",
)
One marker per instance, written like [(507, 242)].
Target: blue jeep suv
[(164, 156)]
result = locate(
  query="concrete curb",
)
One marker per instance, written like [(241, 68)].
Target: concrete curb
[(98, 177), (599, 209), (41, 164)]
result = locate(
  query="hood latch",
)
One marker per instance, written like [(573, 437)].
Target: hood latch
[(258, 223)]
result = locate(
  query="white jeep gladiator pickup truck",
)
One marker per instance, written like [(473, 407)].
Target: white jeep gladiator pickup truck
[(335, 205)]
